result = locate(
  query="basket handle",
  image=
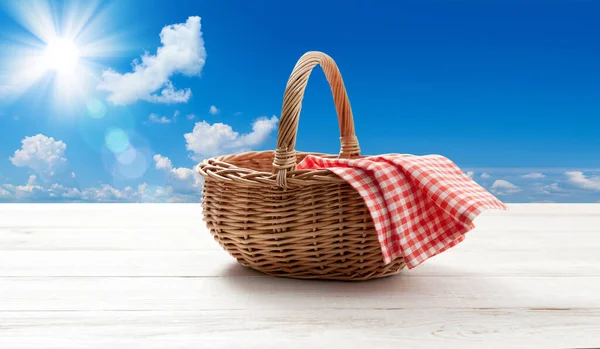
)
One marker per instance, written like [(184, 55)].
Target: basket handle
[(285, 155)]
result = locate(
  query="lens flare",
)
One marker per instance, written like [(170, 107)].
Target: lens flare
[(127, 157), (116, 140), (96, 108), (136, 169)]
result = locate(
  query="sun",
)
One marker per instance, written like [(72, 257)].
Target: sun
[(64, 61), (61, 55), (58, 53)]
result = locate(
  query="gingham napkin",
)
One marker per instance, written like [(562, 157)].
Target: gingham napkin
[(420, 205)]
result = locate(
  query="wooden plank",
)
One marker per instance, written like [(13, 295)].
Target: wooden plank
[(198, 238), (100, 215), (130, 293), (110, 238), (117, 263), (530, 217), (392, 328), (464, 262)]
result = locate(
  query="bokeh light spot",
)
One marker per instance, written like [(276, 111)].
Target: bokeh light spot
[(116, 140), (96, 108), (128, 156), (135, 169)]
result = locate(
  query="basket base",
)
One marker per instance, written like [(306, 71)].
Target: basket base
[(394, 268)]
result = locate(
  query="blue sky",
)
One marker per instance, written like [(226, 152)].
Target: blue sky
[(508, 90)]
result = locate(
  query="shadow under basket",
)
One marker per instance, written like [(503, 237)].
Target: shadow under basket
[(284, 222)]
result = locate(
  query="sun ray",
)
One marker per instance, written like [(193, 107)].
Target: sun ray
[(63, 44)]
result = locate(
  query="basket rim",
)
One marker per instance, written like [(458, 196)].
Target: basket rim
[(221, 168)]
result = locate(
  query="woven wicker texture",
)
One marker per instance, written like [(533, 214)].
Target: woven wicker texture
[(289, 223)]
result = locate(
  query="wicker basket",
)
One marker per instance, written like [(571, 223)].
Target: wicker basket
[(284, 222)]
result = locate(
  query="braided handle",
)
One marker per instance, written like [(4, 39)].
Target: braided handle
[(285, 155)]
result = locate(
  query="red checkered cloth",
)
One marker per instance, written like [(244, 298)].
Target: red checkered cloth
[(420, 205)]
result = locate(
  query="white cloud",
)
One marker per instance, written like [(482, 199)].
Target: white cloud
[(470, 174), (183, 181), (533, 175), (182, 52), (32, 181), (28, 191), (213, 110), (57, 192), (208, 140), (170, 95), (4, 194), (42, 154), (552, 189), (502, 187), (191, 116), (106, 193), (65, 192), (33, 192), (143, 193), (163, 162), (156, 119), (578, 179), (485, 176)]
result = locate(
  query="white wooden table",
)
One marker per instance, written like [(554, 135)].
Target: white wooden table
[(150, 276)]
